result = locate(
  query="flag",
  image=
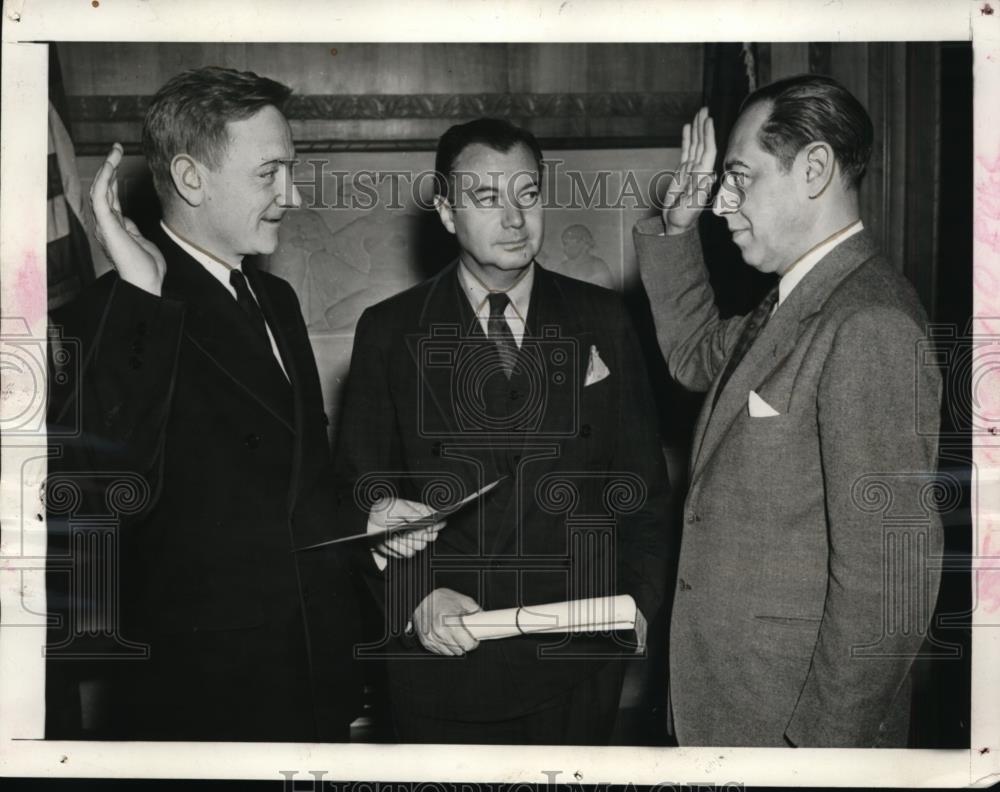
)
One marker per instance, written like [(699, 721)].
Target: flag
[(70, 262)]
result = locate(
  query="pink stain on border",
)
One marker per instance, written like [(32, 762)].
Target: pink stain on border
[(988, 577), (30, 288), (986, 224)]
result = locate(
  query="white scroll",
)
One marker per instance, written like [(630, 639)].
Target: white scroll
[(598, 614)]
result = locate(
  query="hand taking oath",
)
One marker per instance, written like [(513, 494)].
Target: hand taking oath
[(137, 260), (690, 190)]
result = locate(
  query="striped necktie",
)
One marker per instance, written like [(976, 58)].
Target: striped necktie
[(750, 332), (499, 332)]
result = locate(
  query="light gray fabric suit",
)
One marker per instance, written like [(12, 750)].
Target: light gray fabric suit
[(778, 634)]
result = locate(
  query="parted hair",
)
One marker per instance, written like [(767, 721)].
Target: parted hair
[(809, 108), (188, 115), (498, 134)]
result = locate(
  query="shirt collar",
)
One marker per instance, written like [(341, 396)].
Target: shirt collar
[(478, 293), (216, 267), (812, 257)]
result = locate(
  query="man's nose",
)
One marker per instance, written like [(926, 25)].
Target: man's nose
[(728, 198), (513, 216), (289, 196)]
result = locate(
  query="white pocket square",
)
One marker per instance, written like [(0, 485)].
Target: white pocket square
[(596, 370), (758, 408)]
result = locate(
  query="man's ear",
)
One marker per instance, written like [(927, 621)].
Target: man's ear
[(186, 174), (820, 168), (445, 212)]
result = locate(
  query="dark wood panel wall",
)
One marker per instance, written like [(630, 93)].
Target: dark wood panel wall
[(900, 85), (402, 96)]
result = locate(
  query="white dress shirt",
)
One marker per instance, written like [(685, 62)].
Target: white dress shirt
[(220, 271), (801, 268), (519, 296)]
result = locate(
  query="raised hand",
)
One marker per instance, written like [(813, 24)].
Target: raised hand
[(137, 260), (690, 189), (438, 626)]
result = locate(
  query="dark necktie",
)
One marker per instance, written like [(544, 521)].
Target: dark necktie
[(750, 332), (249, 305), (499, 332)]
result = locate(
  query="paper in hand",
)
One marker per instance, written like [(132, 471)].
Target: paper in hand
[(409, 525)]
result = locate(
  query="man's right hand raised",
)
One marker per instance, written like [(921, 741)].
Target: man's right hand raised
[(137, 260), (690, 189)]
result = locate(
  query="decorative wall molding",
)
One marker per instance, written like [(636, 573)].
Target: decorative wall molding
[(378, 107)]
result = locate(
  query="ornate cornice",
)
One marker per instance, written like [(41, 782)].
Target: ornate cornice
[(367, 107), (652, 119)]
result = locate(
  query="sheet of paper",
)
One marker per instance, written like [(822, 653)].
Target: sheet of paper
[(410, 525)]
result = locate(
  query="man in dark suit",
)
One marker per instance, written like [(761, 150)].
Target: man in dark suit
[(497, 369), (804, 589), (200, 388)]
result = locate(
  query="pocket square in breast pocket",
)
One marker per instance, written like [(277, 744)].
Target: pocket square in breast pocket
[(758, 408), (596, 370)]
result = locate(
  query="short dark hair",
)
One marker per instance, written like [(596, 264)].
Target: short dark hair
[(498, 134), (189, 114), (813, 107)]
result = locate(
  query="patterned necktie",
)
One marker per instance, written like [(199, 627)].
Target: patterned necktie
[(750, 332), (246, 301), (499, 332)]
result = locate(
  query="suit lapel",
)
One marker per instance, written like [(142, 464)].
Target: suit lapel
[(441, 323), (216, 325), (778, 338), (548, 312)]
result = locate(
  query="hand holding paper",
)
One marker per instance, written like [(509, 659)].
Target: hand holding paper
[(404, 544), (392, 515), (438, 622)]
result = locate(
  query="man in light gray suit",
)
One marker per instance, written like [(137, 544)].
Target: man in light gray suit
[(797, 615)]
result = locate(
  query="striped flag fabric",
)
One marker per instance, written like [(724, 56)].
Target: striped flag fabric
[(70, 262)]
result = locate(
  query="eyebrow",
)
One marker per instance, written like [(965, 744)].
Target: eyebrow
[(276, 161)]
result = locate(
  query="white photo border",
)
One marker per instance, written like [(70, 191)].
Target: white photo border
[(29, 23)]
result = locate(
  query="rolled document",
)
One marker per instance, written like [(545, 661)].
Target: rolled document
[(598, 614)]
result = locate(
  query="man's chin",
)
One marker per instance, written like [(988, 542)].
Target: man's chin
[(518, 260), (267, 244)]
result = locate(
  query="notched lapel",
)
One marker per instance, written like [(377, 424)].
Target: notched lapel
[(441, 326), (776, 341), (216, 325), (771, 347)]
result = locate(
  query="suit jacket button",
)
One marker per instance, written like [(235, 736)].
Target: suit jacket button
[(252, 440), (134, 362), (585, 430), (693, 518), (684, 585)]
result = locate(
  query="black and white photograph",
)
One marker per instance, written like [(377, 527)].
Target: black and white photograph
[(590, 405)]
